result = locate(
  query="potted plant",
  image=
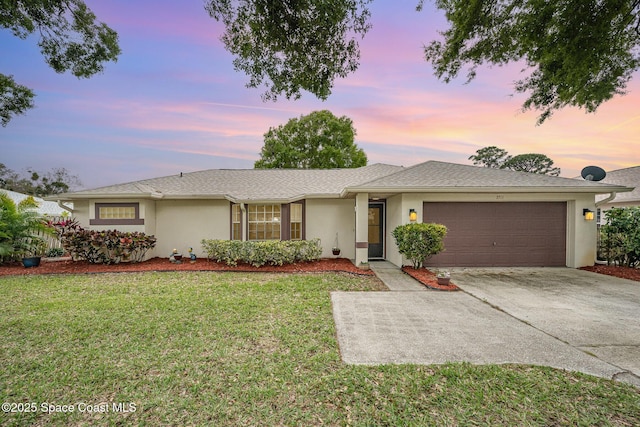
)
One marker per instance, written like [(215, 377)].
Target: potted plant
[(34, 250), (336, 249), (444, 277), (23, 230), (364, 265)]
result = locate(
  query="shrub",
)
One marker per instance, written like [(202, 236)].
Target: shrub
[(419, 242), (620, 236), (271, 252), (307, 250), (102, 247), (55, 252), (21, 229)]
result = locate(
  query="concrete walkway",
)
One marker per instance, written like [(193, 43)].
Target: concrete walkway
[(412, 324), (394, 278)]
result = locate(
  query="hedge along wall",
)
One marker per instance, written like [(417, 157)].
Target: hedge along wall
[(271, 252)]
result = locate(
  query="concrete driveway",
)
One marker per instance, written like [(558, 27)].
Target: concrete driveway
[(594, 313), (564, 318)]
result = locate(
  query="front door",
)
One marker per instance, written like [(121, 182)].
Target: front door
[(376, 230)]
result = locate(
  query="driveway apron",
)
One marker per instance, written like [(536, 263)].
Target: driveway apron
[(489, 322)]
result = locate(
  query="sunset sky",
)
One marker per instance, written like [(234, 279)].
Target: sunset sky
[(173, 103)]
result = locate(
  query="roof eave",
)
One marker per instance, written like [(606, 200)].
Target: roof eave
[(585, 190), (70, 197), (157, 196), (194, 197), (85, 196), (277, 200)]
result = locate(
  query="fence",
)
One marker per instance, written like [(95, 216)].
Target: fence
[(52, 240)]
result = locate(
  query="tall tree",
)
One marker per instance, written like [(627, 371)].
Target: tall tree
[(318, 140), (70, 40), (498, 158), (291, 46), (577, 52), (56, 181), (491, 157), (533, 163), (15, 99)]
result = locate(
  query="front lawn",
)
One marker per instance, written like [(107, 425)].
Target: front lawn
[(201, 348)]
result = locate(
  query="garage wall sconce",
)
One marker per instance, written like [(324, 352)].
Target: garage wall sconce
[(413, 215), (589, 215)]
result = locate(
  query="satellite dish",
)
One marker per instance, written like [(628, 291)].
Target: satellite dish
[(593, 173)]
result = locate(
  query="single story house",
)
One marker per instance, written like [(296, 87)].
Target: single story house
[(628, 177), (495, 217)]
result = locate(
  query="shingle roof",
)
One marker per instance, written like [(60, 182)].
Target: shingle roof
[(244, 184), (441, 176), (629, 177), (293, 184)]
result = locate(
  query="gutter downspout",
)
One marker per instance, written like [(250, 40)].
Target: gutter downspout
[(65, 207), (608, 199), (243, 209)]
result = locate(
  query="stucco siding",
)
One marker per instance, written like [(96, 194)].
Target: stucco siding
[(149, 207), (182, 224), (325, 218), (81, 212), (394, 219), (581, 234)]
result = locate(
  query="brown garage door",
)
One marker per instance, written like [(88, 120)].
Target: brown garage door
[(500, 234)]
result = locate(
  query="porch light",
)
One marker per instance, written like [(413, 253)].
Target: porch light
[(413, 215), (588, 214)]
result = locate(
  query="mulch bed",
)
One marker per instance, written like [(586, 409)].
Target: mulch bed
[(66, 266), (424, 276), (428, 278), (612, 270), (163, 264)]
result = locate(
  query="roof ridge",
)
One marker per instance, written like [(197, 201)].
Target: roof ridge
[(401, 170)]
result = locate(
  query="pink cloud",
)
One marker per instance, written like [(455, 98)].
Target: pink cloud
[(181, 20), (455, 124)]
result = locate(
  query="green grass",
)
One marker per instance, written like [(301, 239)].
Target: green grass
[(230, 349)]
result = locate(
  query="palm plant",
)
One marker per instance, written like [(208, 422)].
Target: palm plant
[(21, 229)]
